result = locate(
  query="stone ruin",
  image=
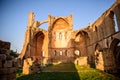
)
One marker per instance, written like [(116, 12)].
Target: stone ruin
[(8, 66), (98, 43), (30, 66)]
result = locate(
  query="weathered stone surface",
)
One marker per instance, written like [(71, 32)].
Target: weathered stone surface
[(61, 43), (4, 45), (30, 67), (8, 64), (82, 61), (7, 70), (8, 76), (27, 65), (99, 62)]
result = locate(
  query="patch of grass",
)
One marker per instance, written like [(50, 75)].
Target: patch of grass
[(67, 76), (71, 72), (19, 73), (66, 67), (51, 76)]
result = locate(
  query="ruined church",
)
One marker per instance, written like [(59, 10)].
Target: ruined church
[(98, 43)]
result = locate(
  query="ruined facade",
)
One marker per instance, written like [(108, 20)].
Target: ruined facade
[(99, 43)]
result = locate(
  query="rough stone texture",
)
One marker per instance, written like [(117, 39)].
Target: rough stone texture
[(30, 67), (7, 67), (61, 43), (8, 64), (26, 65), (82, 61), (4, 45)]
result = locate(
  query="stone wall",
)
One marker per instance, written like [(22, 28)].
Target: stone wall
[(82, 61), (8, 67), (61, 43), (30, 66), (103, 31), (4, 45)]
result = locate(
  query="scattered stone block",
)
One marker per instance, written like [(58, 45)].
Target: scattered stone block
[(82, 61)]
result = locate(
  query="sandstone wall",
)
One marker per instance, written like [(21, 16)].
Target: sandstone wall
[(103, 31)]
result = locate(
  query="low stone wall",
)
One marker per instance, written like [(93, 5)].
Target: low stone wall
[(105, 61), (5, 45), (8, 73), (8, 67), (82, 61), (8, 70), (30, 66)]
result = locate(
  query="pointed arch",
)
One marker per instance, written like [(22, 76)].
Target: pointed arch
[(60, 23), (114, 44), (82, 34), (38, 41), (98, 47), (113, 16), (115, 47)]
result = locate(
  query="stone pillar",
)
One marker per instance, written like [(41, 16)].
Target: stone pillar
[(26, 66), (30, 19)]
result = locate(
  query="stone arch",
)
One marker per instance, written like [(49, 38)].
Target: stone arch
[(98, 50), (77, 52), (98, 47), (58, 33), (38, 42), (98, 57), (43, 26), (83, 34), (60, 23), (114, 44), (115, 48), (114, 17), (81, 41)]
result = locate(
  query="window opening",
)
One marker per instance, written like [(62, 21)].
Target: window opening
[(60, 53), (116, 26), (60, 36)]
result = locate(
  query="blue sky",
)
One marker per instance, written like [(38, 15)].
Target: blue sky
[(14, 15)]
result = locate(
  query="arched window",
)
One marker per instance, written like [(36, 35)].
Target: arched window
[(118, 44), (43, 54), (77, 52), (60, 36), (95, 28), (60, 52), (66, 53), (55, 53), (115, 21), (55, 35), (66, 35), (113, 16)]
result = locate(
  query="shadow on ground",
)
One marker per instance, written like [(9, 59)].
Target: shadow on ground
[(62, 71), (68, 71)]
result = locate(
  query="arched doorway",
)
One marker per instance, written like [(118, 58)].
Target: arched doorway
[(38, 45), (81, 41), (99, 61), (115, 47)]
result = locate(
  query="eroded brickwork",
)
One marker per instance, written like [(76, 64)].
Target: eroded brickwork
[(8, 66), (98, 44)]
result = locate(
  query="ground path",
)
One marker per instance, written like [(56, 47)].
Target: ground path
[(68, 71)]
